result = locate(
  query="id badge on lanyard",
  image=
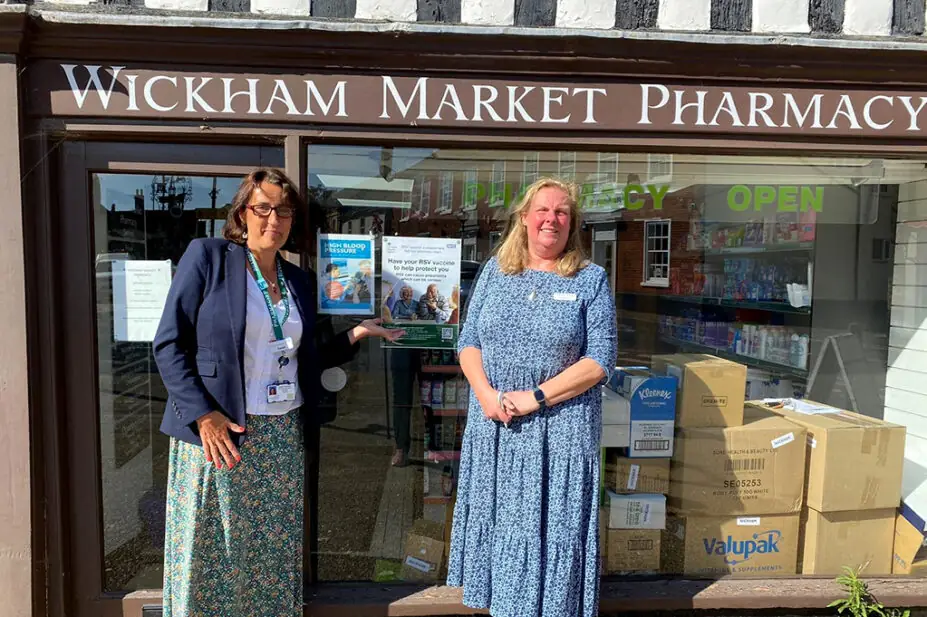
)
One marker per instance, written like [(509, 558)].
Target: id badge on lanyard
[(280, 391)]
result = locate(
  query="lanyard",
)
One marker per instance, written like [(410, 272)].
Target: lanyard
[(262, 284)]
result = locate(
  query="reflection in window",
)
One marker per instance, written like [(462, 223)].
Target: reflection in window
[(566, 166), (471, 190), (657, 253), (765, 261), (497, 191), (532, 164), (447, 192), (142, 226)]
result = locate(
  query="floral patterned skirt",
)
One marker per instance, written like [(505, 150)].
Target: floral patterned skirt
[(234, 538)]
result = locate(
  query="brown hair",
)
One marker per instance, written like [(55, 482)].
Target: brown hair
[(235, 224), (512, 253)]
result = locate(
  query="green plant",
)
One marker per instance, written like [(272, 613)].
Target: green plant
[(859, 602)]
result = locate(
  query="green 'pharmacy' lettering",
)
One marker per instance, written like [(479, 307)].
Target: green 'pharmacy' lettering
[(740, 198), (786, 198)]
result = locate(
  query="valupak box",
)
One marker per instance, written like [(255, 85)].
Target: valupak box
[(636, 475), (711, 389), (647, 404), (636, 511), (745, 546), (832, 540), (854, 462), (757, 468), (909, 540)]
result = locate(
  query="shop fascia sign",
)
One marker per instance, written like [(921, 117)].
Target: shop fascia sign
[(124, 91)]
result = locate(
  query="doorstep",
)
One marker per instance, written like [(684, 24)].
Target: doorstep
[(371, 600)]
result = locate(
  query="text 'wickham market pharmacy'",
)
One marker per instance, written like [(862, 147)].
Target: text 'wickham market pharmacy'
[(125, 91)]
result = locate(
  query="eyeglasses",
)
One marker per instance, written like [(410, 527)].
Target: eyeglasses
[(283, 212)]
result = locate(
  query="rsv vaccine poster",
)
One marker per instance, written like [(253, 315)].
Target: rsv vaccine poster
[(421, 291)]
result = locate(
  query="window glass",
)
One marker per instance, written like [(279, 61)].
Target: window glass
[(142, 225), (794, 284)]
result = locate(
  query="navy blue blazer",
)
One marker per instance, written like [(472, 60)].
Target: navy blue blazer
[(199, 345)]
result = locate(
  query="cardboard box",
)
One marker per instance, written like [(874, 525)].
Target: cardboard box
[(756, 468), (638, 475), (711, 389), (635, 397), (854, 462), (615, 436), (909, 540), (739, 546), (424, 552), (636, 511), (832, 540), (603, 537), (632, 550)]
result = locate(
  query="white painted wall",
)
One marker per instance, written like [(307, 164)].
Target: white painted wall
[(487, 12), (868, 17), (780, 16), (390, 10), (689, 15), (169, 5), (906, 379), (586, 14), (280, 7)]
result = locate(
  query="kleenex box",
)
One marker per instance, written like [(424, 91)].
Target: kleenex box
[(647, 404), (640, 511)]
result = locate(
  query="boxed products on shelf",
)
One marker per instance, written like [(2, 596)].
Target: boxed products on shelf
[(763, 384), (753, 469), (711, 389), (636, 475), (646, 403), (638, 511), (765, 545), (616, 420), (854, 461), (770, 343)]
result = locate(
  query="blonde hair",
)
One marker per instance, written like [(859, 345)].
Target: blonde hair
[(512, 252)]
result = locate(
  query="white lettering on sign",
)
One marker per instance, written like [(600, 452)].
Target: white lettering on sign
[(97, 89)]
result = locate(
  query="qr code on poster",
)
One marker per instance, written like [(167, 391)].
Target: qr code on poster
[(447, 334)]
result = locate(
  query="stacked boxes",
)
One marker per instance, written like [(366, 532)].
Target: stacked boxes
[(853, 486), (735, 481), (639, 409), (771, 487)]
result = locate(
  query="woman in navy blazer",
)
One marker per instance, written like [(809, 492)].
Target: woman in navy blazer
[(235, 351)]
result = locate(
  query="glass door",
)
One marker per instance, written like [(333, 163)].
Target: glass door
[(128, 212)]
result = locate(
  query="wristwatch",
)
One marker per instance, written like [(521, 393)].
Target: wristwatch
[(540, 398)]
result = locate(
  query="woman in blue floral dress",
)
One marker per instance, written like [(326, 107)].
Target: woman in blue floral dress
[(540, 337)]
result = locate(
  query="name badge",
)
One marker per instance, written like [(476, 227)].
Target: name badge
[(281, 392), (283, 345), (565, 297)]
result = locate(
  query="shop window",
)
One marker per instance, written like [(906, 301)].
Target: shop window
[(532, 165), (657, 253), (659, 167), (471, 190), (497, 193), (752, 279), (142, 226), (566, 166), (424, 199), (446, 200)]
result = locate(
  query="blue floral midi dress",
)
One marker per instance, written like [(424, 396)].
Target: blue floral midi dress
[(525, 537)]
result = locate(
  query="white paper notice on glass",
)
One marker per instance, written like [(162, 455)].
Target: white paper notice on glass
[(139, 293)]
